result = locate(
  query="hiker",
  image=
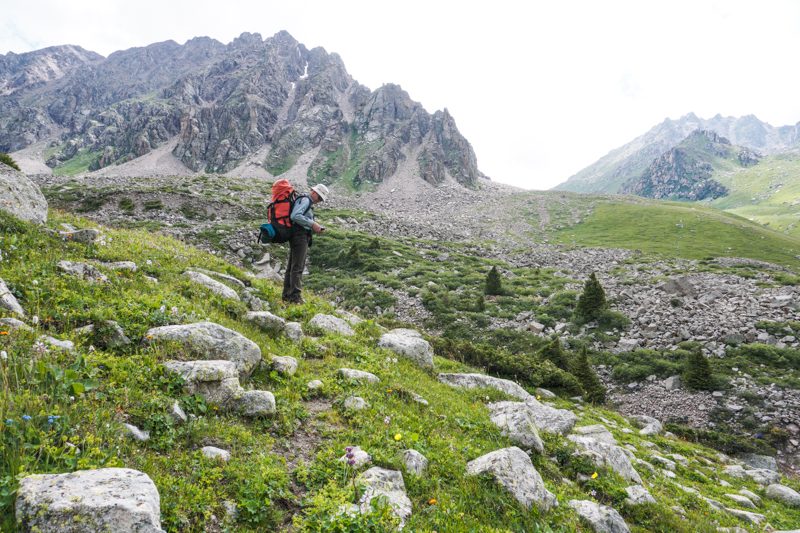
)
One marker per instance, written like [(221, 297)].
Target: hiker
[(302, 217)]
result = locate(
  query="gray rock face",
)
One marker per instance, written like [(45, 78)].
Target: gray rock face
[(742, 501), (216, 381), (355, 403), (596, 431), (753, 497), (83, 271), (284, 365), (603, 454), (512, 468), (763, 476), (411, 346), (332, 324), (474, 381), (752, 518), (255, 403), (415, 462), (358, 375), (12, 323), (783, 494), (267, 321), (207, 340), (763, 462), (549, 419), (380, 482), (515, 421), (20, 197), (647, 424), (83, 236), (638, 495), (8, 301), (213, 285), (600, 518), (294, 331), (108, 499)]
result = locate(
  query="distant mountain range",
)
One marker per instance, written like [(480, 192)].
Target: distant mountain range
[(654, 153), (269, 103)]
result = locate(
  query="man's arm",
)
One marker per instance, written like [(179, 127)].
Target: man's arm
[(298, 215)]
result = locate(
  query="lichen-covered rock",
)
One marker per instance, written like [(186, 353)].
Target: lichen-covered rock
[(107, 499), (9, 323), (601, 519), (474, 381), (267, 321), (253, 403), (647, 424), (513, 469), (355, 403), (752, 518), (783, 494), (332, 324), (607, 455), (411, 346), (8, 301), (216, 381), (380, 482), (742, 501), (212, 452), (211, 284), (762, 476), (638, 495), (294, 331), (83, 271), (207, 340), (415, 462), (130, 266), (549, 419), (596, 431), (285, 365), (20, 197), (358, 375), (515, 421), (83, 236)]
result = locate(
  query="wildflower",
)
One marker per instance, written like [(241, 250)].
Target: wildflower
[(538, 397), (3, 333), (594, 475), (52, 418), (387, 420), (174, 310), (149, 262), (163, 308), (351, 462), (348, 449), (398, 436), (432, 501), (4, 355), (26, 417), (9, 421), (593, 492), (91, 348), (35, 282), (35, 319), (389, 391)]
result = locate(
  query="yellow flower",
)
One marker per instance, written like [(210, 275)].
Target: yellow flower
[(432, 501), (538, 397), (398, 436), (389, 391), (594, 476)]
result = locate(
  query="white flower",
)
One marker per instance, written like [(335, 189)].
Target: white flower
[(4, 355), (174, 310), (35, 282), (149, 262), (35, 319), (163, 308), (91, 348)]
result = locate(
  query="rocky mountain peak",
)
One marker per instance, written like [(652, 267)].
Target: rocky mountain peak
[(19, 72)]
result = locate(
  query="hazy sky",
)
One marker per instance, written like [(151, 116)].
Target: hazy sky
[(540, 89)]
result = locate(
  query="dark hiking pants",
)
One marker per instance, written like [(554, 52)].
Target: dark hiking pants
[(293, 280)]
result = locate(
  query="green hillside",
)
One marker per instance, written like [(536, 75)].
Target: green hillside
[(62, 411), (767, 193), (679, 230)]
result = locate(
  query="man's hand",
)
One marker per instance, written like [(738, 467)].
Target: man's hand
[(316, 228)]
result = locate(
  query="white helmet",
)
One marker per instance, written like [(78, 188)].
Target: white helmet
[(321, 190)]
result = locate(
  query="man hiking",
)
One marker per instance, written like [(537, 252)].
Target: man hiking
[(303, 227)]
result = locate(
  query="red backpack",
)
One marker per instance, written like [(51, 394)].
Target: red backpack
[(278, 228)]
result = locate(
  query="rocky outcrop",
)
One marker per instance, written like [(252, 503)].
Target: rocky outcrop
[(8, 301), (473, 381), (388, 484), (20, 197), (601, 519), (331, 324), (513, 469), (208, 340), (212, 285), (515, 421), (108, 499)]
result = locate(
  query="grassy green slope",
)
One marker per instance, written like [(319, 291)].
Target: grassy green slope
[(93, 391), (680, 230), (768, 193)]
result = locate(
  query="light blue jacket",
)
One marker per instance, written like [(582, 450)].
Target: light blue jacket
[(303, 213)]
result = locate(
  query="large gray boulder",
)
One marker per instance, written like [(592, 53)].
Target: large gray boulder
[(515, 421), (82, 270), (409, 344), (601, 519), (267, 321), (476, 381), (207, 340), (415, 462), (216, 381), (8, 301), (647, 424), (211, 284), (607, 455), (352, 374), (255, 403), (783, 494), (549, 419), (513, 469), (20, 197), (108, 499), (389, 484), (331, 324)]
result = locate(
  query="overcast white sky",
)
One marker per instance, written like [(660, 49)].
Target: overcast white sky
[(540, 89)]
